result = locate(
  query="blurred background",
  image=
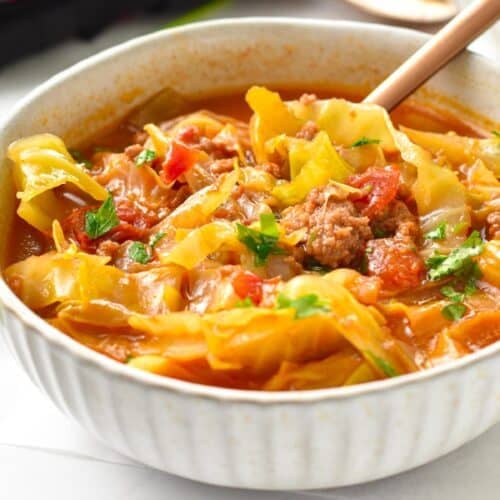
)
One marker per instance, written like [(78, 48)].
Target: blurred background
[(41, 37)]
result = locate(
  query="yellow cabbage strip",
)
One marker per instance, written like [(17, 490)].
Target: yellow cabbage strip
[(312, 164), (178, 340), (258, 340), (332, 371), (200, 243), (346, 122), (459, 150), (43, 163), (208, 124), (356, 323), (256, 179), (483, 190), (199, 207), (271, 118), (197, 371), (158, 139), (182, 334), (56, 278), (361, 375), (489, 262), (60, 241), (440, 196), (361, 158)]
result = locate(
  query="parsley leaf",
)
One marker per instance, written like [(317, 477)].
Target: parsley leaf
[(459, 261), (364, 141), (439, 233), (384, 365), (495, 132), (246, 302), (99, 222), (156, 238), (305, 306), (450, 293), (145, 156), (139, 252), (454, 311), (264, 242), (79, 158)]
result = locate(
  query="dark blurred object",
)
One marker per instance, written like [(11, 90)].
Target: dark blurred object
[(27, 26)]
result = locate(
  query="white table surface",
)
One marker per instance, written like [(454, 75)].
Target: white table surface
[(45, 455)]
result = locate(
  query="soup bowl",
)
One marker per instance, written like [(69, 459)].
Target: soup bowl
[(249, 439)]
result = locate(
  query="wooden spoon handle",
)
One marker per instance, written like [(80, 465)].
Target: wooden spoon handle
[(440, 49)]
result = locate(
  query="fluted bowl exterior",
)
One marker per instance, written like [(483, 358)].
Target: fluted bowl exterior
[(296, 440)]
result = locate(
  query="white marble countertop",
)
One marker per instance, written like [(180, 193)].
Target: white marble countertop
[(43, 454)]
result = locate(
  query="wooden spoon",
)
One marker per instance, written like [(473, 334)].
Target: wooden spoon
[(410, 11), (439, 50)]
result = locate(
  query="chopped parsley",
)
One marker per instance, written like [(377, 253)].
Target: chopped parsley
[(99, 222), (155, 239), (496, 132), (305, 306), (439, 233), (450, 293), (458, 262), (138, 252), (454, 311), (244, 303), (364, 141), (383, 365), (145, 156), (79, 158), (264, 242)]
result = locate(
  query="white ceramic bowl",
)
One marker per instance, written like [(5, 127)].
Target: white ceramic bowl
[(288, 440)]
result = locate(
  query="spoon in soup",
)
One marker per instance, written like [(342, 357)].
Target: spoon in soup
[(438, 51)]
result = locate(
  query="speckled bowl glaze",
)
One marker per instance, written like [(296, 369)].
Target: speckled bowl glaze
[(258, 440)]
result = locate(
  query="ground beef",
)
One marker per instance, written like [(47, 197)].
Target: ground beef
[(336, 232), (308, 131), (223, 166), (133, 151), (493, 225), (396, 220), (275, 169)]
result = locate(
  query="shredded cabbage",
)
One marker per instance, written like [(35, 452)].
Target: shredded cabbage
[(42, 163)]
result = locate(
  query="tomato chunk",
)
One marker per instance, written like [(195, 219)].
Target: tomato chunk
[(179, 159), (131, 227), (395, 262), (248, 285), (380, 186)]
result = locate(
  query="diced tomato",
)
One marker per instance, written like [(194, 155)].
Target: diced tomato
[(248, 285), (395, 262), (130, 228), (380, 186), (179, 159)]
